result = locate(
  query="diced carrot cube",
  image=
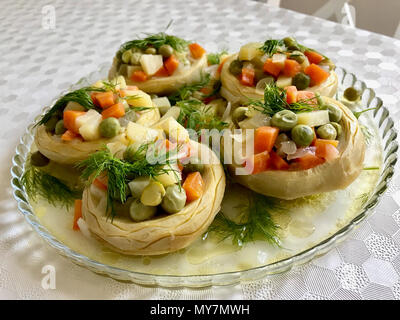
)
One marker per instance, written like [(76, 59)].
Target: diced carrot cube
[(171, 64), (162, 72), (193, 186), (117, 111), (139, 76), (316, 73), (258, 162), (103, 99), (196, 50), (291, 94), (276, 162), (326, 151), (264, 138), (314, 57), (69, 136), (70, 117), (272, 68), (247, 77), (306, 97), (291, 68), (309, 161)]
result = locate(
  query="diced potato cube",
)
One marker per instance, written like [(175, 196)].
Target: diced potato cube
[(283, 81), (137, 133), (314, 118), (250, 51), (279, 59), (176, 132), (90, 116), (172, 112), (151, 63), (162, 104), (171, 177), (139, 99), (90, 131)]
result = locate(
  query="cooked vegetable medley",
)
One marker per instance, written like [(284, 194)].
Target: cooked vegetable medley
[(283, 62)]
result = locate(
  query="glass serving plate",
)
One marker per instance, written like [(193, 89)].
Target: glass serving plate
[(385, 137)]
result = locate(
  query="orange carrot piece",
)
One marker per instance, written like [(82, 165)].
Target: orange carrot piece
[(132, 88), (68, 136), (276, 162), (309, 161), (171, 64), (221, 65), (70, 117), (117, 111), (193, 186), (291, 94), (139, 76), (100, 184), (247, 77), (103, 99), (258, 163), (264, 138), (162, 72), (196, 50), (291, 68), (326, 151), (306, 97), (319, 142), (77, 214), (272, 68), (316, 73), (314, 57)]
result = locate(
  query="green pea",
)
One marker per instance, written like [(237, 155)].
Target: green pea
[(60, 129), (327, 131), (236, 67), (285, 120), (151, 50), (239, 114), (291, 43), (109, 127), (338, 129), (193, 166), (39, 160), (174, 199), (302, 135), (135, 58), (351, 94), (139, 212), (166, 50), (301, 81), (126, 56), (335, 113), (297, 56), (51, 124)]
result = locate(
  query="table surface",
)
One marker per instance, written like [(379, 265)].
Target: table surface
[(37, 62)]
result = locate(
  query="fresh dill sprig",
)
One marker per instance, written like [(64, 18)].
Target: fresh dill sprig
[(156, 40), (270, 46), (196, 115), (187, 90), (38, 183), (371, 168), (120, 172), (215, 58), (258, 224), (80, 96), (275, 101)]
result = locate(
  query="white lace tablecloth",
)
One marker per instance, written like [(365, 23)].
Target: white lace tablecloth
[(39, 57)]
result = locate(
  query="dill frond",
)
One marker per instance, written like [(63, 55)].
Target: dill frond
[(215, 58), (80, 96), (258, 224), (275, 101), (196, 115), (270, 46), (156, 40), (120, 172), (186, 91), (41, 184), (357, 114)]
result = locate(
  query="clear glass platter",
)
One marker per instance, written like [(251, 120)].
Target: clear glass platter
[(202, 274)]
